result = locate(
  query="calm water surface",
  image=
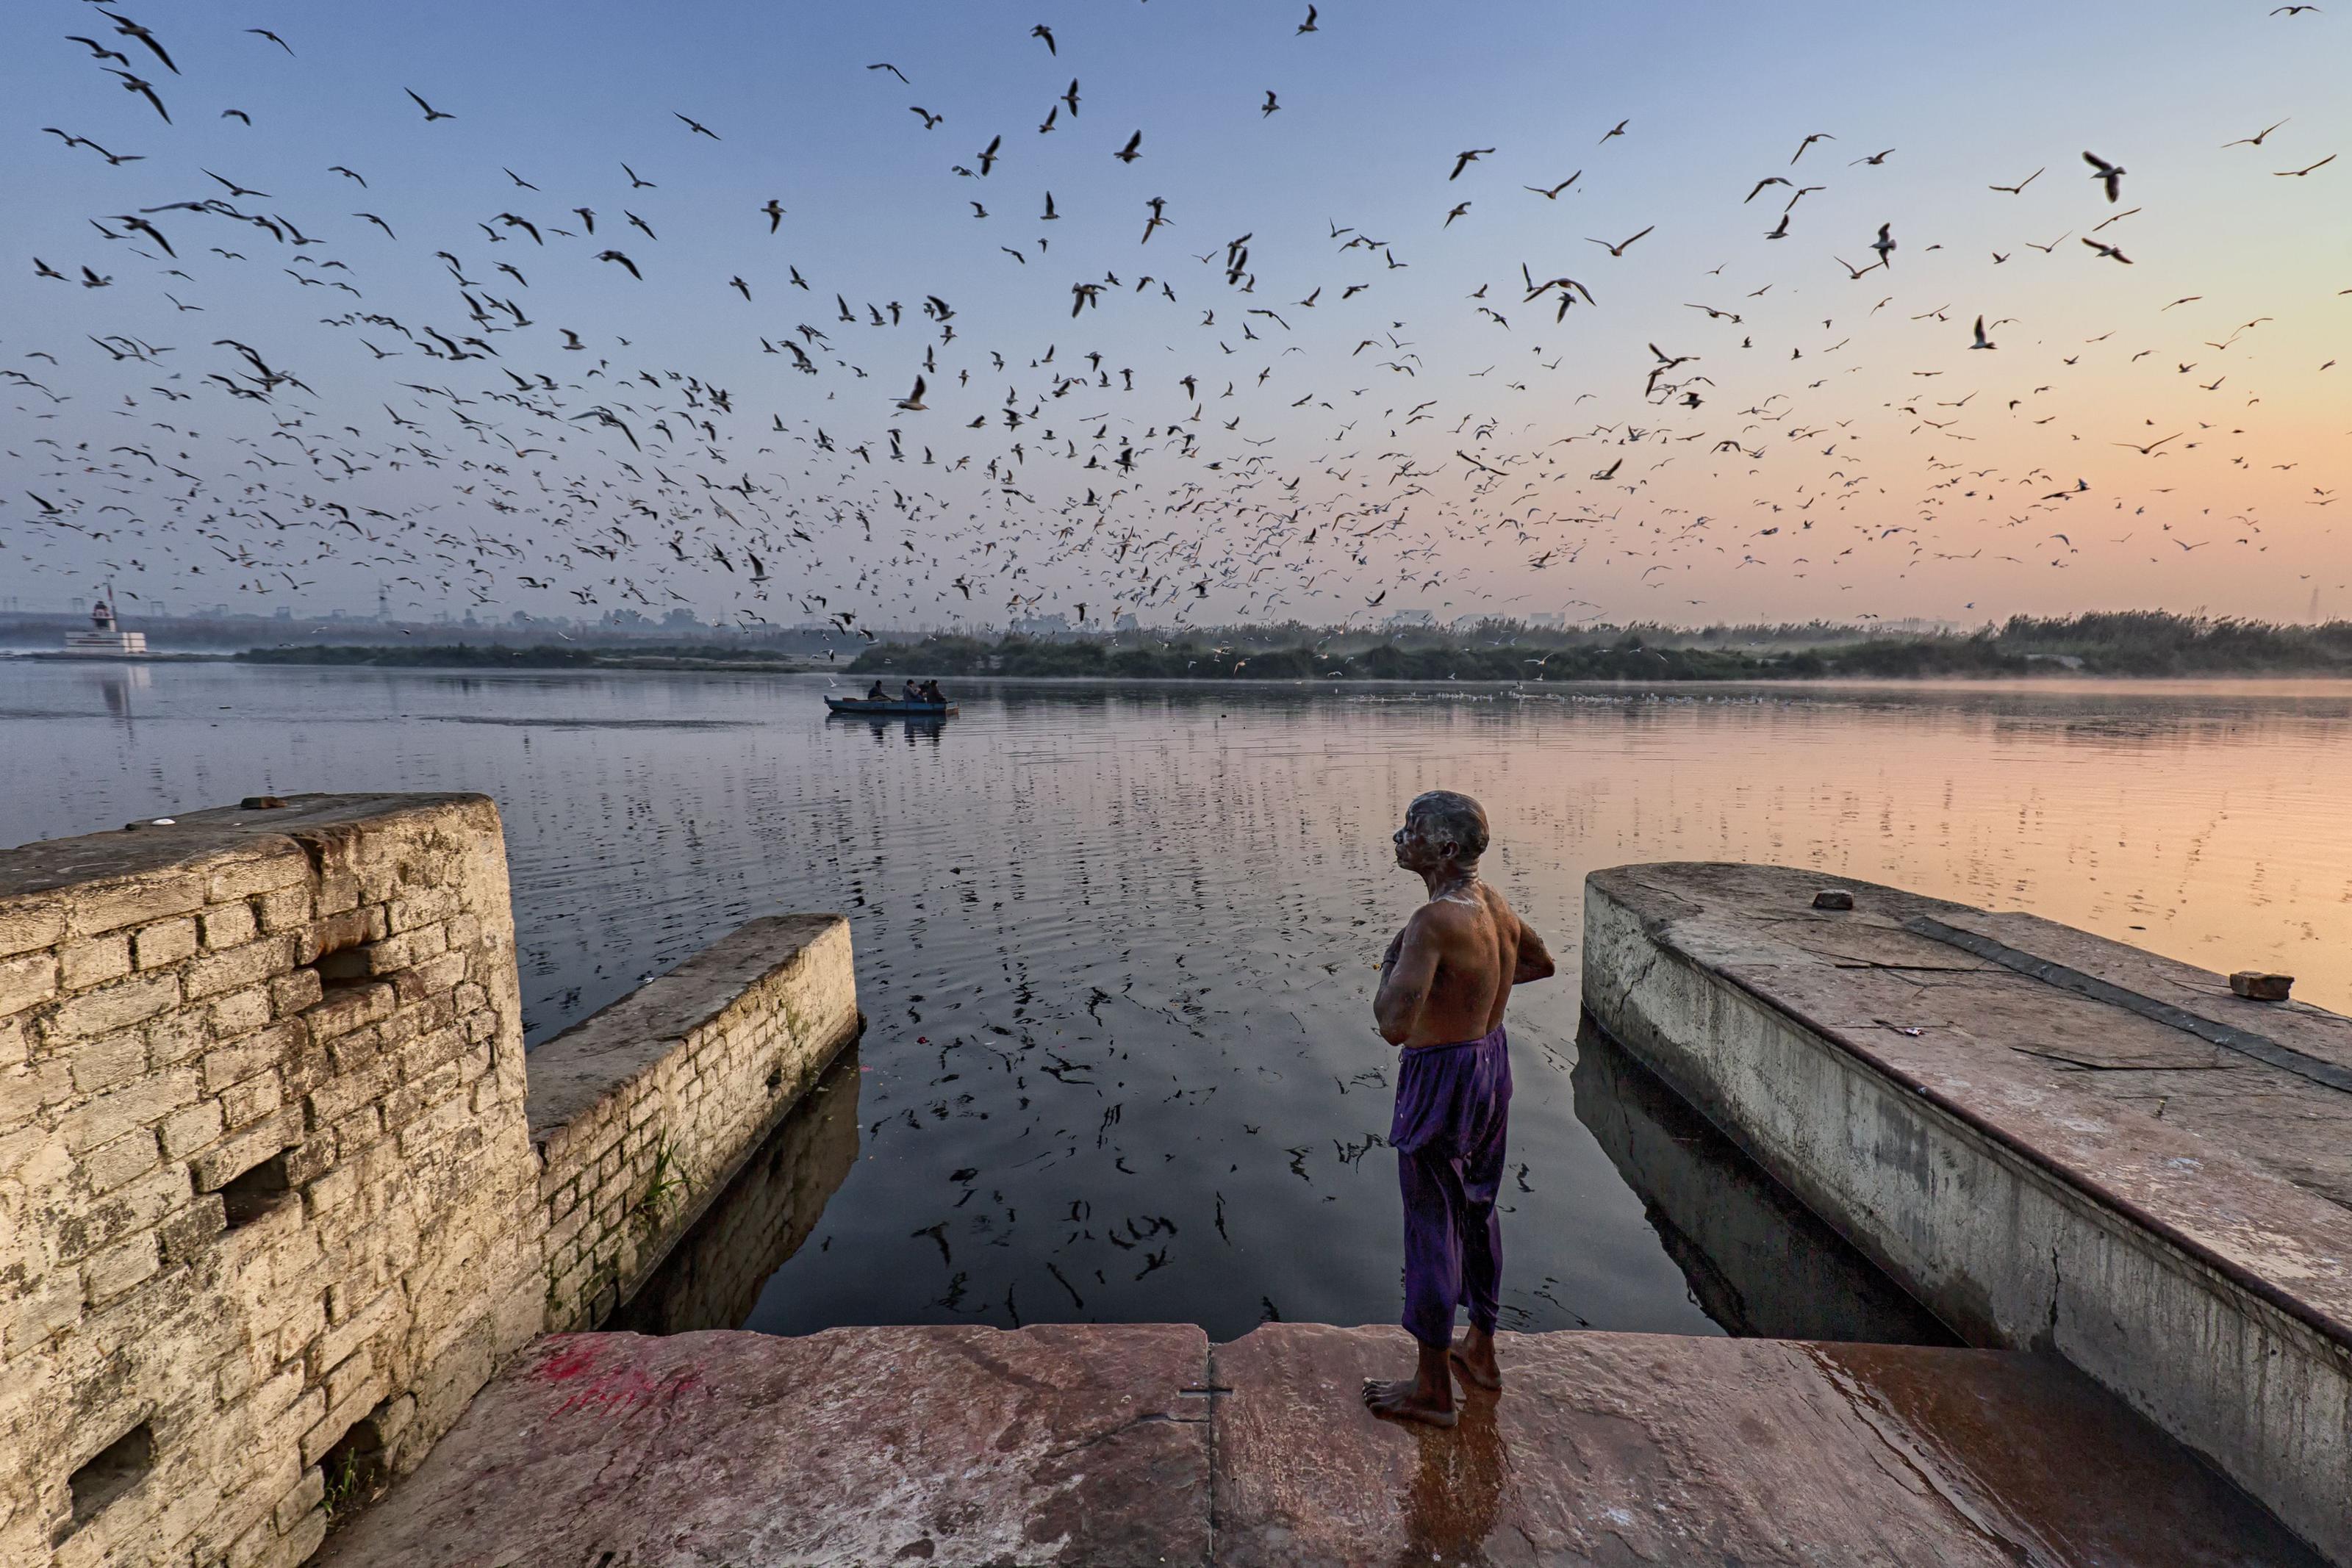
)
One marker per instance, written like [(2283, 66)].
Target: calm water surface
[(1116, 943)]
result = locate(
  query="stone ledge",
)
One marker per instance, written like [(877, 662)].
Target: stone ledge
[(602, 1054), (2044, 1166), (211, 839)]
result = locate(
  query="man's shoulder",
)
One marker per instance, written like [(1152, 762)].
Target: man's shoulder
[(1451, 915)]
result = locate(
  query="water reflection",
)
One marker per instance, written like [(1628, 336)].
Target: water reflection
[(713, 1276), (1757, 1260), (1454, 1498), (1115, 943)]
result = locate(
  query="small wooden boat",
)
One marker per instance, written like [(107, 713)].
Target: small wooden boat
[(889, 708)]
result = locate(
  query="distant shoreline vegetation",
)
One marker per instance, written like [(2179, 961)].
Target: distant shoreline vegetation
[(2140, 642), (542, 657), (2145, 644)]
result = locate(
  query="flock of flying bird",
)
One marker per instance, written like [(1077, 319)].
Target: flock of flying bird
[(468, 453)]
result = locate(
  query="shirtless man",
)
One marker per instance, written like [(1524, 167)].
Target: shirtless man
[(1444, 983)]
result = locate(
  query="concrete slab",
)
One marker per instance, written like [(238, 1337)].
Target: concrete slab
[(1107, 1446), (2051, 1139), (1649, 1449), (937, 1445)]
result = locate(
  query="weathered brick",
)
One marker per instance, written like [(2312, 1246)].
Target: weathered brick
[(348, 1007), (348, 1376), (137, 1207), (126, 1159), (117, 1269), (107, 1062), (94, 960), (176, 1036), (339, 1096), (109, 907), (422, 906), (308, 1494), (264, 1049), (284, 909), (186, 1233), (27, 980), (223, 1162), (432, 977), (114, 1007), (166, 942), (244, 965), (338, 891), (186, 1132), (227, 926), (109, 1117), (278, 867), (251, 1099), (295, 992), (26, 925), (241, 1012), (298, 1543)]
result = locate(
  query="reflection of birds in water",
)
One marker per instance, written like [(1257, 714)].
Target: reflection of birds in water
[(1292, 480)]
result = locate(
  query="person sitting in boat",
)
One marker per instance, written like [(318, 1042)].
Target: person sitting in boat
[(877, 694), (931, 692), (911, 692)]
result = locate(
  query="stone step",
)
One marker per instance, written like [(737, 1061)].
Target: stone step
[(1106, 1445), (2053, 1141)]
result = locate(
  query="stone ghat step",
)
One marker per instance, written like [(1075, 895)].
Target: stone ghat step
[(2050, 1140), (1104, 1446)]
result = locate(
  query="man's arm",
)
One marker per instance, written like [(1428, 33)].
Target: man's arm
[(1535, 959), (1405, 978)]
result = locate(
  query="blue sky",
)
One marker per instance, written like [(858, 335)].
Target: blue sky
[(1951, 521)]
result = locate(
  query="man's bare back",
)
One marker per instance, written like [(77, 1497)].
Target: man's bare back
[(1449, 973)]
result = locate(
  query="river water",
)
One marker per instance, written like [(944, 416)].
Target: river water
[(1114, 944)]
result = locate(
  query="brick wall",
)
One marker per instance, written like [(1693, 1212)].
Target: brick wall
[(644, 1113), (275, 1200), (713, 1276), (266, 1183)]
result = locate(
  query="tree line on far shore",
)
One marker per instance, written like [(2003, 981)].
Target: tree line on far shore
[(2126, 642), (2133, 643)]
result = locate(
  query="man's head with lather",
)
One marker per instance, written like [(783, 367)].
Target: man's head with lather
[(1442, 828)]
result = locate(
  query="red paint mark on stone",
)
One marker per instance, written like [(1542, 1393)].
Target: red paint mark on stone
[(572, 1357), (627, 1388), (607, 1390)]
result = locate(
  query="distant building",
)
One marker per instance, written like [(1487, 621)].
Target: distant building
[(105, 638), (1410, 620), (1127, 622), (1042, 625), (682, 620), (1546, 621)]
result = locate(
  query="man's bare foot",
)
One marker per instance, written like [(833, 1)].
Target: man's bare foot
[(1473, 1360), (1403, 1400), (1427, 1397)]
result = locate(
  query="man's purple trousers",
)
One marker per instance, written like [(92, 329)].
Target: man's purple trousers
[(1452, 1107)]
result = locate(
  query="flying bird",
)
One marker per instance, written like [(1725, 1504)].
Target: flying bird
[(431, 113), (2111, 175)]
